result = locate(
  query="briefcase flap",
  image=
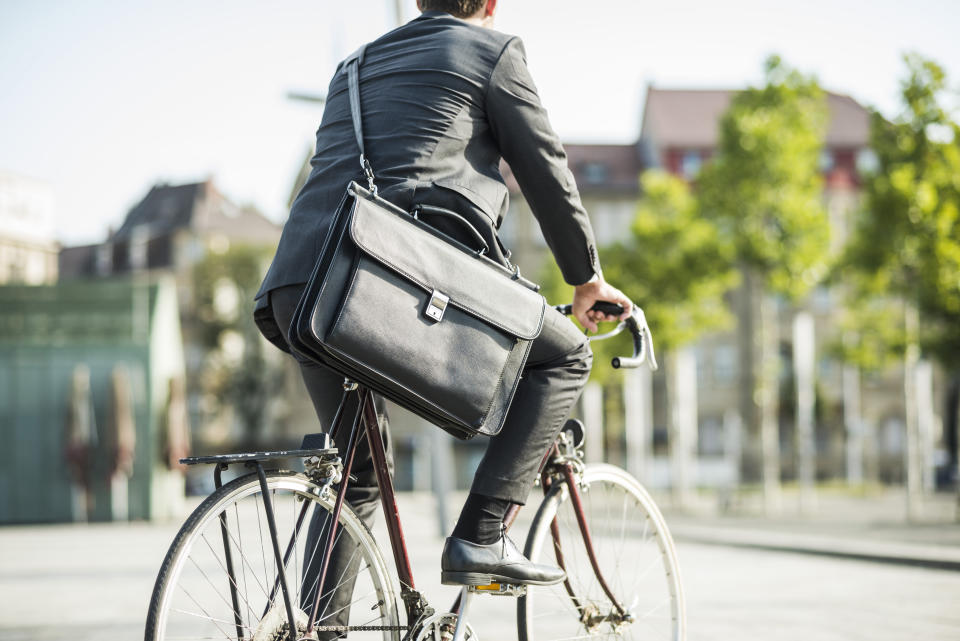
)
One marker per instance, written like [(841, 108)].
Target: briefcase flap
[(436, 265)]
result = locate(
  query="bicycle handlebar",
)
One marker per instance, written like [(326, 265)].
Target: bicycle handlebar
[(636, 323)]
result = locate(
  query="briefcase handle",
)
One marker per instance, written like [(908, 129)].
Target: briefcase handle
[(432, 210)]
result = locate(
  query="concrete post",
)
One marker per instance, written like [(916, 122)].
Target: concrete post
[(803, 363), (683, 434), (638, 407), (423, 459), (440, 475), (911, 454), (733, 444), (926, 424), (768, 396), (592, 401), (853, 421)]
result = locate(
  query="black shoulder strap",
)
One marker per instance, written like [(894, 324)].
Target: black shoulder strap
[(353, 63)]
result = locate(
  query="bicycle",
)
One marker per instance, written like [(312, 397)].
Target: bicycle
[(223, 578)]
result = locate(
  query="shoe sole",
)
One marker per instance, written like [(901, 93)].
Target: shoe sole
[(481, 578)]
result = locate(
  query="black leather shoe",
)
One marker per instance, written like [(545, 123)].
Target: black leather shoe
[(466, 563)]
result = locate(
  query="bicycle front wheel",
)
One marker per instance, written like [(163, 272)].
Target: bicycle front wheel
[(635, 554), (220, 578)]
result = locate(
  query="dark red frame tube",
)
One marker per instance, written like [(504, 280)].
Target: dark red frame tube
[(585, 532), (388, 498), (337, 508)]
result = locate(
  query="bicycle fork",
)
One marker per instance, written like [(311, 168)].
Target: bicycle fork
[(570, 479)]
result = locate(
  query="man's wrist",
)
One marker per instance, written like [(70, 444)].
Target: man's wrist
[(596, 278)]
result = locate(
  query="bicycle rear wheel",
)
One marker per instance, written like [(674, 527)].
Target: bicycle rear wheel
[(636, 557), (195, 596)]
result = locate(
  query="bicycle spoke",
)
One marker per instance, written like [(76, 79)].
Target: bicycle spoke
[(245, 561), (243, 567), (193, 597), (631, 555), (202, 609), (209, 618), (316, 580), (341, 581), (350, 605), (212, 585), (232, 581), (296, 554), (263, 552), (316, 547)]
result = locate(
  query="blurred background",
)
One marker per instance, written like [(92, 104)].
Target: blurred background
[(776, 184)]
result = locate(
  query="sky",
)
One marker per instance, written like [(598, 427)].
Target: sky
[(101, 99)]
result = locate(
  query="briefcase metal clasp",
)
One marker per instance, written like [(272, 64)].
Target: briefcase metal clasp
[(437, 305)]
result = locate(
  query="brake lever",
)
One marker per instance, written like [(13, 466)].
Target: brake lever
[(647, 340)]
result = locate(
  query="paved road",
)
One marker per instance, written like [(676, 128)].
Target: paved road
[(93, 582)]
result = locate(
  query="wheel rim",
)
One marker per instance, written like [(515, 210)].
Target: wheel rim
[(635, 555), (194, 600)]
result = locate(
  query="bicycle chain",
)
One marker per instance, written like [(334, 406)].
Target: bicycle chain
[(359, 628)]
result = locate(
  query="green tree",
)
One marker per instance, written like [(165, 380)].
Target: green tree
[(237, 373), (674, 265), (907, 238), (763, 189), (906, 242), (677, 269)]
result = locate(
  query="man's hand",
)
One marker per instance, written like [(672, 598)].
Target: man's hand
[(584, 296)]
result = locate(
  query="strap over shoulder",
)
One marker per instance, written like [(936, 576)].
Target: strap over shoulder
[(353, 62), (356, 55)]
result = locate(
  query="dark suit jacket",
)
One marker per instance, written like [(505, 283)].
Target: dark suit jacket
[(442, 101)]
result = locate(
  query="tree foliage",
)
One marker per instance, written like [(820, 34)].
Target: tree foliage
[(763, 188), (907, 237), (673, 265), (224, 285)]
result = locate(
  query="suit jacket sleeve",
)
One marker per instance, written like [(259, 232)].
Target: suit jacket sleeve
[(528, 143)]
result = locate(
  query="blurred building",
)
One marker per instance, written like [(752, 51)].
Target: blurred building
[(86, 414), (28, 248), (679, 133), (170, 231)]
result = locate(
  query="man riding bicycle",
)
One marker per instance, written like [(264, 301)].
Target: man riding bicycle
[(444, 98)]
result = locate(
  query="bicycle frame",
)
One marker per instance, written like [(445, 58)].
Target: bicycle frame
[(415, 603), (555, 467)]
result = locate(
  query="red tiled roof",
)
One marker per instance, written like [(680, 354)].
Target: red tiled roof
[(603, 168), (689, 117)]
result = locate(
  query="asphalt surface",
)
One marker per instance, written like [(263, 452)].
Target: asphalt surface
[(86, 582)]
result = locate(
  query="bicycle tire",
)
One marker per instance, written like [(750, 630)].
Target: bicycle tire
[(188, 603), (614, 504)]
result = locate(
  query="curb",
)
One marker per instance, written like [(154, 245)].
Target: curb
[(909, 554)]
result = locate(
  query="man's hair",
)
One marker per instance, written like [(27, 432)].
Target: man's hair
[(458, 8)]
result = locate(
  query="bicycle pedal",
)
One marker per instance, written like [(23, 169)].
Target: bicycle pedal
[(500, 589)]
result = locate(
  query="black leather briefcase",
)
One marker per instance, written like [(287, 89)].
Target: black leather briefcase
[(413, 314), (432, 325)]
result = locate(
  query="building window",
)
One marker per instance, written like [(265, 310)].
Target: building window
[(690, 163), (822, 299), (724, 364), (826, 161), (711, 437), (866, 161), (595, 173)]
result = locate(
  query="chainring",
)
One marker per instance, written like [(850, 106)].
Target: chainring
[(440, 627)]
